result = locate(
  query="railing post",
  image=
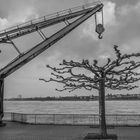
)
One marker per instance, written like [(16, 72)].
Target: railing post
[(21, 118), (116, 120), (12, 116), (127, 120), (53, 118), (35, 118), (73, 119), (94, 119), (89, 118)]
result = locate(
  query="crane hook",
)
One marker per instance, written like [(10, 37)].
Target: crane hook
[(100, 36), (100, 29)]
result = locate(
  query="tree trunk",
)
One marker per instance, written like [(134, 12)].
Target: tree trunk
[(1, 99), (102, 119)]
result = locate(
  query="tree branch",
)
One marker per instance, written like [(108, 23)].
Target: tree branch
[(72, 81), (118, 74)]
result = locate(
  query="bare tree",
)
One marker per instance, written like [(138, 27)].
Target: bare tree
[(117, 74)]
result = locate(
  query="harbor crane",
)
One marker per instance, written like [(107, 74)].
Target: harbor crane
[(78, 14)]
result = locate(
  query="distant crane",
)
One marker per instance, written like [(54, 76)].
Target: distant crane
[(8, 35)]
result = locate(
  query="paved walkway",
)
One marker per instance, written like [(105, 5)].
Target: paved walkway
[(17, 131)]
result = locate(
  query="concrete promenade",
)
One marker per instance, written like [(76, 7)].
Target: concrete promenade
[(18, 131)]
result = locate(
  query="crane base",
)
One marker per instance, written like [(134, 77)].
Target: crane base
[(2, 124)]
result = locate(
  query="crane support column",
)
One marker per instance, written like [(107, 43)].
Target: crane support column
[(1, 100)]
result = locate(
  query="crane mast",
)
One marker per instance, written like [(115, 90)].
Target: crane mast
[(8, 35)]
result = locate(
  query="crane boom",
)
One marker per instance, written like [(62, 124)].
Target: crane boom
[(32, 53), (8, 35), (43, 22)]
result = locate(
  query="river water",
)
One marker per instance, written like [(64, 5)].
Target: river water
[(71, 107)]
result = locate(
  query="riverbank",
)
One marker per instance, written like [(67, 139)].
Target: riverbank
[(18, 131)]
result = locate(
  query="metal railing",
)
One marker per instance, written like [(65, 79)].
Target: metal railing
[(49, 16), (74, 119)]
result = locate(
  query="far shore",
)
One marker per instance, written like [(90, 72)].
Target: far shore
[(43, 100), (109, 97)]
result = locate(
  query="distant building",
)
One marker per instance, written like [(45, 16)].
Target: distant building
[(19, 96), (138, 96)]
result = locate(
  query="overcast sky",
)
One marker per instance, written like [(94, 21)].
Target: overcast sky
[(122, 21)]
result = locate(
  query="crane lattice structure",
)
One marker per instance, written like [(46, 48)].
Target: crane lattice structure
[(80, 14)]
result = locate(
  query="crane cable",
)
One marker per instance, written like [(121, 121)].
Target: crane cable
[(99, 27)]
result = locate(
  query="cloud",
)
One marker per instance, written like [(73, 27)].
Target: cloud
[(122, 22), (3, 23), (127, 9), (128, 17), (120, 3), (109, 13), (19, 16), (131, 46), (17, 12), (104, 56)]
